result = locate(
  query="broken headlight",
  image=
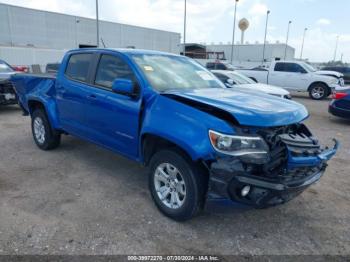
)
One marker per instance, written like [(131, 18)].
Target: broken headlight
[(234, 145)]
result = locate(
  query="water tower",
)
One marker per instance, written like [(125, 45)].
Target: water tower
[(243, 25)]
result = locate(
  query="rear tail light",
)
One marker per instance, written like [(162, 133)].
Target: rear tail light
[(339, 95)]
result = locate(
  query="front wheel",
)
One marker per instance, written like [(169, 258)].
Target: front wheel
[(319, 91), (44, 135), (176, 184)]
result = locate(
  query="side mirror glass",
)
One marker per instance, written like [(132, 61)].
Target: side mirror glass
[(123, 87), (230, 81)]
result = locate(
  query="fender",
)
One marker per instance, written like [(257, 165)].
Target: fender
[(50, 108), (178, 123)]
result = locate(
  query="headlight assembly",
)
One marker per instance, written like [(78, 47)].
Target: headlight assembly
[(233, 145)]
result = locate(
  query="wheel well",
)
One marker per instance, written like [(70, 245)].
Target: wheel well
[(153, 143), (33, 105), (316, 83)]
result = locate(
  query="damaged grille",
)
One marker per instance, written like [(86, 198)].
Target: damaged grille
[(295, 140), (6, 87)]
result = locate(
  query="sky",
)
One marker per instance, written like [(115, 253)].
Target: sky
[(211, 21)]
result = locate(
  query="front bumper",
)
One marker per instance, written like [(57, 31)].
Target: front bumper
[(228, 177)]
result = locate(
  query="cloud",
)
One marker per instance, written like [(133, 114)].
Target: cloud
[(323, 21), (258, 9)]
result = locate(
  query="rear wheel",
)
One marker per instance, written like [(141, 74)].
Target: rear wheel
[(319, 91), (176, 185), (44, 135)]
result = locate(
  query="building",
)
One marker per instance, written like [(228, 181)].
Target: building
[(29, 36), (252, 54)]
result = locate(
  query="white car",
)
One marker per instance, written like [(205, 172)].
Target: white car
[(233, 79), (298, 76)]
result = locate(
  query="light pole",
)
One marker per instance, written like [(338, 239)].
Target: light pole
[(267, 19), (285, 50), (185, 18), (336, 48), (234, 29), (97, 26), (302, 44)]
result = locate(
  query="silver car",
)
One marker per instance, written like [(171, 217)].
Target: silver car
[(233, 79)]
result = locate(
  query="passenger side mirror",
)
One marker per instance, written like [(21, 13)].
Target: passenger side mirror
[(230, 82), (123, 87)]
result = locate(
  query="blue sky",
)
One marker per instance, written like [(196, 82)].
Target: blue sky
[(212, 20)]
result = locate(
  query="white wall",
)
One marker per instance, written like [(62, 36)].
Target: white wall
[(23, 27), (253, 53)]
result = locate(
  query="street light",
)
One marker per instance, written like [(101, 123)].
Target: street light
[(302, 45), (97, 27), (267, 19), (336, 48), (285, 50), (234, 29), (185, 18)]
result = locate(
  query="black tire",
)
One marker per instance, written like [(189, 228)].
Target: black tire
[(51, 138), (193, 177), (319, 91)]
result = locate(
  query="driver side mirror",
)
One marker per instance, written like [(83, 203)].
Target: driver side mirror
[(124, 87)]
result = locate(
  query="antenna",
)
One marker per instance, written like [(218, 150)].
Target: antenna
[(103, 42)]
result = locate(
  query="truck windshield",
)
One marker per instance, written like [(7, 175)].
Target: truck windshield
[(5, 68), (165, 72), (308, 67)]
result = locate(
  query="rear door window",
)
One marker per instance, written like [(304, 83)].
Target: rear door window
[(78, 67)]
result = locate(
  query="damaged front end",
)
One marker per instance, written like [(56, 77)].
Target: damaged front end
[(294, 161), (7, 93)]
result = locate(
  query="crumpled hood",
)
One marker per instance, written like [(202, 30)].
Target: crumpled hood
[(247, 108), (269, 89), (329, 73)]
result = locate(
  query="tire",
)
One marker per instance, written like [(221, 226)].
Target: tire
[(190, 188), (319, 91), (44, 135)]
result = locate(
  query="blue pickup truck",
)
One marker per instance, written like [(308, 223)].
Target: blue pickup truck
[(199, 140)]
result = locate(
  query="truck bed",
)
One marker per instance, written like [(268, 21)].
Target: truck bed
[(31, 85)]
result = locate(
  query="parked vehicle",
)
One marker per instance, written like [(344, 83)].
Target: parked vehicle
[(340, 104), (219, 65), (199, 140), (298, 76), (52, 68), (345, 70), (7, 92), (233, 79)]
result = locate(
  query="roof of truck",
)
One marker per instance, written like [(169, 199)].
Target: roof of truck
[(127, 51)]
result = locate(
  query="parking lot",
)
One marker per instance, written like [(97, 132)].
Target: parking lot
[(82, 199)]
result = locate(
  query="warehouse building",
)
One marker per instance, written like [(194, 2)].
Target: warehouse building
[(248, 55), (30, 36)]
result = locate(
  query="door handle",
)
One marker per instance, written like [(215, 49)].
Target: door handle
[(93, 97)]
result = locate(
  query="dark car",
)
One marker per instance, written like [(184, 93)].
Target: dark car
[(340, 105), (341, 69), (7, 92), (219, 65)]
